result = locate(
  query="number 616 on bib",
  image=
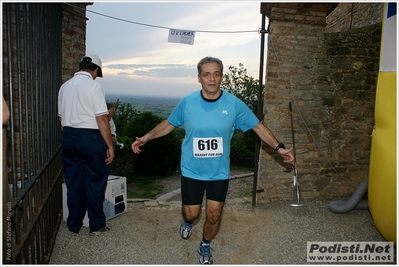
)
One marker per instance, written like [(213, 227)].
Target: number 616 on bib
[(208, 147)]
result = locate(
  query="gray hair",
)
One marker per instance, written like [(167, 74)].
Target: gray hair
[(209, 60)]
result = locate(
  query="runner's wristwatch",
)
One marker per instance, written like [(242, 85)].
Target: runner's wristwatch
[(280, 145)]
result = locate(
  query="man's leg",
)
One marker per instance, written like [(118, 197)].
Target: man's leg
[(96, 177), (213, 211), (74, 179), (192, 192), (216, 192), (191, 212)]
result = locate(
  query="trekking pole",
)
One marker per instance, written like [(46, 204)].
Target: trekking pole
[(296, 194)]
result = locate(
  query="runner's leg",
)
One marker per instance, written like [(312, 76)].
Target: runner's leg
[(192, 192), (216, 192), (213, 213), (191, 212)]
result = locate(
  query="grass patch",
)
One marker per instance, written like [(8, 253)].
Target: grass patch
[(142, 186)]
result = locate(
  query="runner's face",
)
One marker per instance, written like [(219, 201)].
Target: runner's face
[(210, 78)]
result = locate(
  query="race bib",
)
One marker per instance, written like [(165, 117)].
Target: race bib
[(208, 147)]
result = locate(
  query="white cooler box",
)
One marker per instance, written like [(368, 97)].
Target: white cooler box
[(115, 202)]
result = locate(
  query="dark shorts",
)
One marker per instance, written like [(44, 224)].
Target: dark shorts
[(192, 190)]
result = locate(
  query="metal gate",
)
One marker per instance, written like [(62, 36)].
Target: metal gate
[(32, 167)]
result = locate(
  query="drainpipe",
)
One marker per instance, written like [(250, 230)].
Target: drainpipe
[(262, 31)]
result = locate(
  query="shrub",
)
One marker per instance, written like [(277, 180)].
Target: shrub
[(158, 156)]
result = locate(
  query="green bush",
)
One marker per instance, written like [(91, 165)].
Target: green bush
[(243, 148), (158, 156)]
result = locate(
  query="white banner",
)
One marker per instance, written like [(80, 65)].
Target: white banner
[(181, 36)]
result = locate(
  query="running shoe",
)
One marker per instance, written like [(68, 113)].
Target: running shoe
[(185, 229), (205, 254)]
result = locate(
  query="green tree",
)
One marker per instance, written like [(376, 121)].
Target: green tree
[(124, 114), (124, 158), (159, 156), (237, 82)]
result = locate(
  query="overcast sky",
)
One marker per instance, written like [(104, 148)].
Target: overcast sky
[(139, 60)]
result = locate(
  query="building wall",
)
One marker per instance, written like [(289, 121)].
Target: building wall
[(348, 16), (73, 37), (330, 78)]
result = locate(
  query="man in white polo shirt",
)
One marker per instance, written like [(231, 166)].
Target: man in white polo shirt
[(87, 146)]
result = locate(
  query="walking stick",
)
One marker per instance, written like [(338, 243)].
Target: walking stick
[(296, 194)]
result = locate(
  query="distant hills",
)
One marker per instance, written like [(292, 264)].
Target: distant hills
[(159, 105)]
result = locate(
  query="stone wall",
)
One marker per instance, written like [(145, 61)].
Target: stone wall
[(73, 37), (348, 16), (330, 78)]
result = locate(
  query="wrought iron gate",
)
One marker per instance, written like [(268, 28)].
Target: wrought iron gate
[(32, 167)]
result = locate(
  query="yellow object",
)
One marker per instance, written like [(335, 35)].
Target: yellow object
[(382, 172)]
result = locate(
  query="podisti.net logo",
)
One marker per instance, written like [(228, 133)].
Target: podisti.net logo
[(354, 252)]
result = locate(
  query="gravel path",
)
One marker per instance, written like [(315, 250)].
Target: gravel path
[(273, 233)]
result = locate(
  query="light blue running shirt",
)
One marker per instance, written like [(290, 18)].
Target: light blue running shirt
[(209, 127)]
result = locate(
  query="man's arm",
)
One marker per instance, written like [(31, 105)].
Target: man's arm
[(103, 126), (160, 130), (267, 136)]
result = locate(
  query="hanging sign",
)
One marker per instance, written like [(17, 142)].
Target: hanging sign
[(181, 36)]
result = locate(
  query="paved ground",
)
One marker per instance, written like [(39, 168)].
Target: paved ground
[(267, 234)]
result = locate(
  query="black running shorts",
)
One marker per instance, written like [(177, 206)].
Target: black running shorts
[(192, 190)]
